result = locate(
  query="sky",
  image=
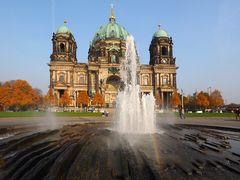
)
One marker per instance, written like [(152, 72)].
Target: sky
[(206, 37)]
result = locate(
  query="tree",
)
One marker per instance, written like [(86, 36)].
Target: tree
[(49, 99), (23, 96), (65, 100), (98, 100), (175, 99), (190, 103), (4, 96), (216, 99), (186, 100), (83, 98), (19, 95), (38, 99), (202, 100)]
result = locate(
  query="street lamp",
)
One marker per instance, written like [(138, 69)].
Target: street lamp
[(75, 100), (182, 100)]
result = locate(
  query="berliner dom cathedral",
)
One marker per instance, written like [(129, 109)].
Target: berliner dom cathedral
[(101, 73)]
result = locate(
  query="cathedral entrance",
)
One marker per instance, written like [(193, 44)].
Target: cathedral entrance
[(112, 86), (166, 100)]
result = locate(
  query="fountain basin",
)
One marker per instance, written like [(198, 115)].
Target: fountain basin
[(91, 151)]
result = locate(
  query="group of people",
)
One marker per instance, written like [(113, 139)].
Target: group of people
[(105, 113), (237, 113)]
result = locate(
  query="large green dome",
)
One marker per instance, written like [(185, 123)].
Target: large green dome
[(110, 30), (160, 33), (64, 29)]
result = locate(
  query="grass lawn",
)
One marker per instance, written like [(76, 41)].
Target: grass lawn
[(40, 114), (98, 114), (210, 115), (206, 115)]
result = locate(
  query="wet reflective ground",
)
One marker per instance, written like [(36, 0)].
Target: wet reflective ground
[(93, 151)]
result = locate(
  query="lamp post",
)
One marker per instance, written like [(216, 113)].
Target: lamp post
[(75, 100), (182, 100)]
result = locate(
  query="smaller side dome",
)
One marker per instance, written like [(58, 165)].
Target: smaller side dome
[(64, 29), (160, 33)]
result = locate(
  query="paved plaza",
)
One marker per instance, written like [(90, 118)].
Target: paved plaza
[(88, 148)]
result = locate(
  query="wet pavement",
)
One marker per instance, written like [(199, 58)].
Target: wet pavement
[(87, 148)]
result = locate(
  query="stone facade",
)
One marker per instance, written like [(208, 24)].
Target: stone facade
[(102, 72)]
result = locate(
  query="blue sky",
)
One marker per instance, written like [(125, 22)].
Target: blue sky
[(206, 36)]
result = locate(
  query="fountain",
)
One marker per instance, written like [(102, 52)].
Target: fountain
[(134, 114)]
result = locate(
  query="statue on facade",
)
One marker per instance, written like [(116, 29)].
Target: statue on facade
[(102, 52), (113, 58), (101, 85), (173, 60)]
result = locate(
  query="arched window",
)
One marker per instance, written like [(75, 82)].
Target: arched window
[(61, 78), (62, 47), (82, 79), (164, 80), (145, 80), (164, 50), (112, 34)]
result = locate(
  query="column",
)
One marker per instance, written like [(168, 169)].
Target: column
[(174, 81), (66, 76), (167, 99), (97, 81), (155, 84), (171, 54), (170, 98), (162, 97), (55, 72), (51, 79), (171, 79), (151, 79), (89, 83), (157, 80), (161, 81), (69, 77)]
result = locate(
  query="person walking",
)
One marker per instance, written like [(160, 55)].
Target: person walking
[(181, 112), (237, 113)]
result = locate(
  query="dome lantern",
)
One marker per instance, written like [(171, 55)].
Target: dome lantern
[(112, 17)]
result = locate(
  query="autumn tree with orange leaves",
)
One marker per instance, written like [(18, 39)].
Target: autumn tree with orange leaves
[(49, 99), (202, 99), (186, 100), (4, 95), (216, 99), (83, 99), (175, 99), (98, 100), (65, 100), (19, 95)]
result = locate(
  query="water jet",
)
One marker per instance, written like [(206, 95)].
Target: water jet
[(134, 114)]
